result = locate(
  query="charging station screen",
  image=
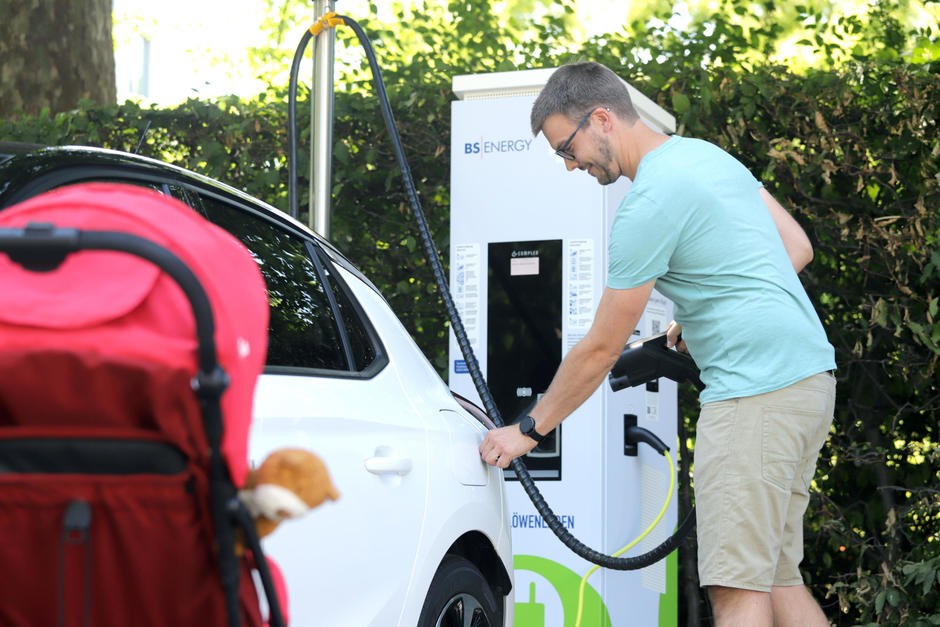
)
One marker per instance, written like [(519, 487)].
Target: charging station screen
[(524, 336)]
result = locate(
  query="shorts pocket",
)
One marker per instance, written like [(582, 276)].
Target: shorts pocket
[(786, 435)]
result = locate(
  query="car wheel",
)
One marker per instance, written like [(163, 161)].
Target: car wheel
[(460, 597)]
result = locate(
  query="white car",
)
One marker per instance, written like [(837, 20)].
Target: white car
[(420, 533)]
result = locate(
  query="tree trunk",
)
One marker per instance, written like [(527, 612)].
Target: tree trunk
[(53, 53)]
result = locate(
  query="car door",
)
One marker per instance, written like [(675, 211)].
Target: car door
[(331, 386)]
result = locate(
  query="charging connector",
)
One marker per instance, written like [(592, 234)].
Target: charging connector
[(647, 360), (630, 448), (633, 435)]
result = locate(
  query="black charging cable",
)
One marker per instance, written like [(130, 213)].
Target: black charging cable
[(476, 375), (292, 198)]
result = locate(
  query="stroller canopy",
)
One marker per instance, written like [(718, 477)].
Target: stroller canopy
[(103, 306)]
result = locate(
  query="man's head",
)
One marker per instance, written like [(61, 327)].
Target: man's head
[(575, 90), (585, 99)]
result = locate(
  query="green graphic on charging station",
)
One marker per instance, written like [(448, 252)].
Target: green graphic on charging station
[(566, 583)]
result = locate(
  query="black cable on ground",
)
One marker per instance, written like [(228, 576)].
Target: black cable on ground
[(606, 561)]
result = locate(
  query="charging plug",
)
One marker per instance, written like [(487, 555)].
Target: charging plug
[(633, 434), (629, 443)]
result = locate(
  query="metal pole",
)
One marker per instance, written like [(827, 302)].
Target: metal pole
[(321, 123)]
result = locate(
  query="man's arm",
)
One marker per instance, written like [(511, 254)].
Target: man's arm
[(578, 376), (794, 238)]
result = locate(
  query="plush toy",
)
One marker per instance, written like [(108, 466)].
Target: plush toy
[(289, 483)]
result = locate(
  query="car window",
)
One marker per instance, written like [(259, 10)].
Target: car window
[(164, 188), (361, 347), (303, 332)]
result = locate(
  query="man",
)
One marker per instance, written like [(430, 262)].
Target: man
[(698, 226)]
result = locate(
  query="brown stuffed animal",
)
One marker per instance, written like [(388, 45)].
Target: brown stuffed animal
[(289, 483)]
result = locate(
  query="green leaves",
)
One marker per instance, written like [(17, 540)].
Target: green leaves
[(680, 103), (924, 574)]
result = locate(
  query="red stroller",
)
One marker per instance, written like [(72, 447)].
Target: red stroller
[(132, 332)]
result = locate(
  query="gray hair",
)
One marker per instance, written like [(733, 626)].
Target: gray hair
[(576, 89)]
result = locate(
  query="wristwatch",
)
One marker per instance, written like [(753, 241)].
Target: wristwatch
[(527, 426)]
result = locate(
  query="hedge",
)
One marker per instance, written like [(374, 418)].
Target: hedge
[(852, 153)]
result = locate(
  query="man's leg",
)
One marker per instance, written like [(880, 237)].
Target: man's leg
[(792, 602), (740, 518), (750, 455), (795, 606), (735, 607), (784, 606)]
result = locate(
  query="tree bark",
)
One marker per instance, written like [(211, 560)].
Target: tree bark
[(54, 53)]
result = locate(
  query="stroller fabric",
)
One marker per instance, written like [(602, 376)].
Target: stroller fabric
[(103, 453)]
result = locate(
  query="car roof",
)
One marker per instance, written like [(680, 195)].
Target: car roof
[(21, 164)]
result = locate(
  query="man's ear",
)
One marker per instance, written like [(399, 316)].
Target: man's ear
[(605, 117)]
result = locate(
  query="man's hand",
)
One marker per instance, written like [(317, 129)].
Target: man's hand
[(673, 330), (501, 446)]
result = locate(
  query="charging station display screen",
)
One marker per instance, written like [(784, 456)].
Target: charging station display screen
[(524, 336)]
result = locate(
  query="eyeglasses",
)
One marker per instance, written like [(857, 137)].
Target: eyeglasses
[(562, 151)]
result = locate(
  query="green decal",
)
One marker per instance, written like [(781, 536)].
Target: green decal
[(530, 614), (566, 583), (669, 602)]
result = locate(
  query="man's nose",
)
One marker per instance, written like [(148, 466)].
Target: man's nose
[(571, 164)]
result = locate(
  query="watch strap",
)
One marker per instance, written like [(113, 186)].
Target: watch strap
[(527, 426)]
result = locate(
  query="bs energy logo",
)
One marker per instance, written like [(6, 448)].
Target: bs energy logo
[(487, 147)]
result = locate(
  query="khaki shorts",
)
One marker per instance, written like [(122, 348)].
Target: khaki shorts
[(754, 460)]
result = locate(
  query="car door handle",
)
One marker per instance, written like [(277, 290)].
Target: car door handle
[(386, 462)]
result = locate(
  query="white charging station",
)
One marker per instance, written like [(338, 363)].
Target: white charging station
[(528, 264)]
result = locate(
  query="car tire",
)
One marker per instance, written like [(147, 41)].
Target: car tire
[(459, 596)]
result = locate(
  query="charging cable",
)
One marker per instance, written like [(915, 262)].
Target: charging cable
[(635, 434), (437, 268)]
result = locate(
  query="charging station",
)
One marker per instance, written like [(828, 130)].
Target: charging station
[(528, 264)]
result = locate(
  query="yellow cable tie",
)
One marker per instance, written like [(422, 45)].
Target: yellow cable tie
[(327, 21)]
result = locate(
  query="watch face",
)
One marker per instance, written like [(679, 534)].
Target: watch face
[(527, 424)]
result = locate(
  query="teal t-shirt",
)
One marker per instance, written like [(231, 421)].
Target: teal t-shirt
[(694, 220)]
